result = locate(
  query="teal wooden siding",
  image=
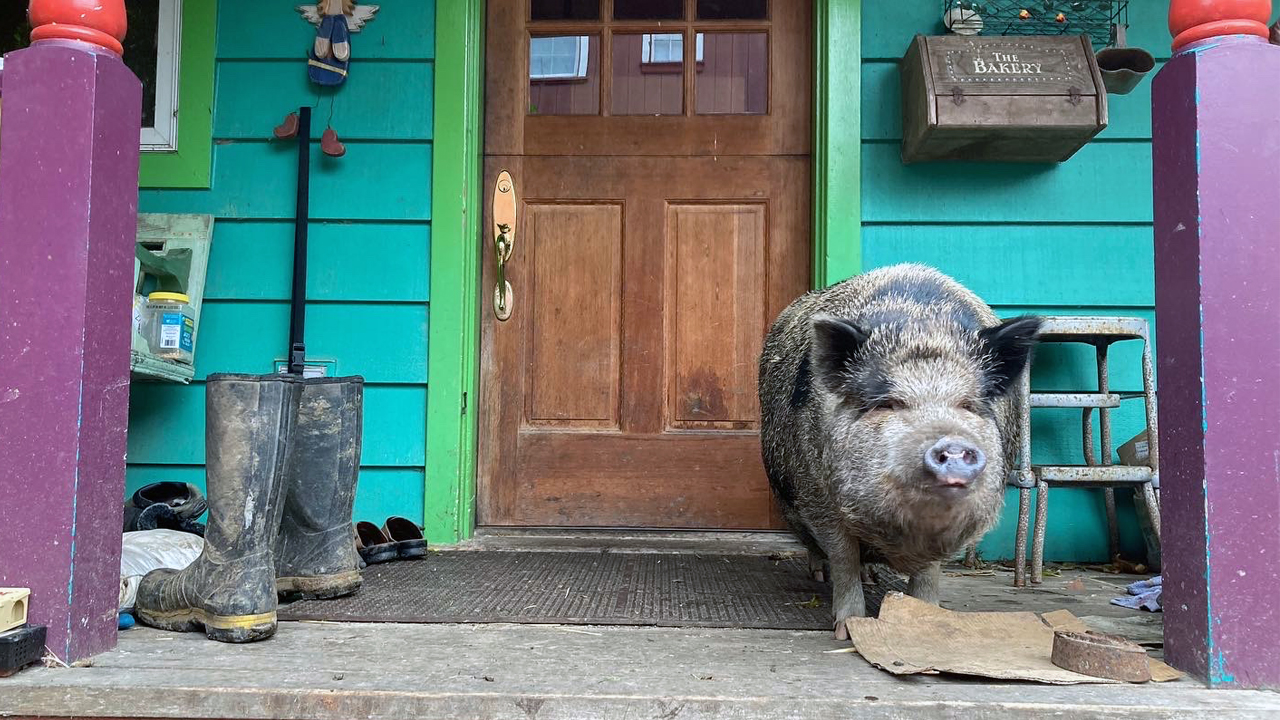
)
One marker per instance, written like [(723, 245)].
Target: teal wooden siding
[(1073, 238), (370, 239)]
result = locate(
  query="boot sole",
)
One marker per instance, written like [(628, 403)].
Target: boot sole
[(324, 587), (223, 628)]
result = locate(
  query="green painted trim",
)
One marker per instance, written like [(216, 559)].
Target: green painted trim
[(189, 166), (837, 141), (453, 338)]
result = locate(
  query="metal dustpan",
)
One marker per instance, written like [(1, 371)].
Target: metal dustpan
[(1123, 67)]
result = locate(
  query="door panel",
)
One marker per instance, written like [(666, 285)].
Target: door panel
[(575, 256), (651, 252), (716, 313)]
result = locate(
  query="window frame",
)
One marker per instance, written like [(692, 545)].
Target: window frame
[(162, 136), (187, 163), (647, 45)]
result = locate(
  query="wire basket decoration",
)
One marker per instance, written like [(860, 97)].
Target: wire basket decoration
[(1101, 20)]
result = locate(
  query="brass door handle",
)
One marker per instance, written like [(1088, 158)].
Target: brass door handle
[(504, 236)]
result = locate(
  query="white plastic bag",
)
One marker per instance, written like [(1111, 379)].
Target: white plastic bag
[(147, 550)]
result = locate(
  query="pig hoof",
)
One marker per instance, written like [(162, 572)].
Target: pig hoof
[(817, 569), (842, 631)]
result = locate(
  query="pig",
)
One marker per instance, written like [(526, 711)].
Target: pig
[(889, 417)]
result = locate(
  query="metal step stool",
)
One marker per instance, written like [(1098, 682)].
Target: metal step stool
[(1101, 333)]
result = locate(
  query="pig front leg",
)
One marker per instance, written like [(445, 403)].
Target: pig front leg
[(846, 585), (924, 584)]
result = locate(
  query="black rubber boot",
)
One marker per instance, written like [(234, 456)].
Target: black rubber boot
[(316, 551), (160, 515), (170, 505), (229, 590)]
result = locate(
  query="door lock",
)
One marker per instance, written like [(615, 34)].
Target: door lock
[(504, 236)]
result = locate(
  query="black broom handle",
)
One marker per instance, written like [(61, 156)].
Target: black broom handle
[(298, 299)]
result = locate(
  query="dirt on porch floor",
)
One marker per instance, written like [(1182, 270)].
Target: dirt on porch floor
[(553, 672)]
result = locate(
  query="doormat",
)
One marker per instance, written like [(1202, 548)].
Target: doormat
[(584, 588)]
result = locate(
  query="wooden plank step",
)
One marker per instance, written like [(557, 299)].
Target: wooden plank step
[(338, 671)]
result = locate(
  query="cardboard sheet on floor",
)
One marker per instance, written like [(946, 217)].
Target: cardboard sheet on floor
[(913, 637)]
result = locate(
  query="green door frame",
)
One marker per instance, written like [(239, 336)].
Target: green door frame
[(453, 335), (837, 140)]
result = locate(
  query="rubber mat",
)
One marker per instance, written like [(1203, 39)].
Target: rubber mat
[(584, 588)]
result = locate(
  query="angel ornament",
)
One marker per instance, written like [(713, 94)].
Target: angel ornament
[(336, 20), (328, 58)]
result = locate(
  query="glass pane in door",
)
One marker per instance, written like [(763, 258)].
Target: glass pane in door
[(648, 74), (734, 77), (733, 9), (564, 9), (564, 75), (648, 9)]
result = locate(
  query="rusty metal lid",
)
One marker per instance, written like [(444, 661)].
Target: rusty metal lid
[(1103, 656)]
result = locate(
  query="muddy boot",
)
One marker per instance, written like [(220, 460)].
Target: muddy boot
[(316, 550), (229, 590)]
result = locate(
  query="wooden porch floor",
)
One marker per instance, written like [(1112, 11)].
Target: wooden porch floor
[(350, 670)]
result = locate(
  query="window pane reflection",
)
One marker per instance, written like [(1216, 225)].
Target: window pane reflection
[(564, 9), (648, 9), (564, 75), (734, 78), (648, 74)]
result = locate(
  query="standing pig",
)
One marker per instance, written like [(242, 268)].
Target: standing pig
[(889, 416)]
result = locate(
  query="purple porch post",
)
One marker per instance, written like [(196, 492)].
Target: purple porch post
[(1216, 159), (68, 219)]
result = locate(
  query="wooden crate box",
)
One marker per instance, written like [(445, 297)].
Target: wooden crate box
[(1013, 99)]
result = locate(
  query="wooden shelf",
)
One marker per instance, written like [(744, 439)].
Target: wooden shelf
[(145, 366)]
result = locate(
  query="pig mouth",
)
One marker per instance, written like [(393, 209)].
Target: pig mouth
[(948, 489), (951, 489)]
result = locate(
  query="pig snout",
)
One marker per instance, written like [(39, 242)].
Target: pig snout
[(954, 462)]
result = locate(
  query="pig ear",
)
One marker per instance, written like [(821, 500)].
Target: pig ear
[(1009, 347), (835, 342)]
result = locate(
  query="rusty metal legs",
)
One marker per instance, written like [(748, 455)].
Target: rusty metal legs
[(1097, 471), (1025, 480)]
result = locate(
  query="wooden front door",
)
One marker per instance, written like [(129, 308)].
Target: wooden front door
[(660, 156)]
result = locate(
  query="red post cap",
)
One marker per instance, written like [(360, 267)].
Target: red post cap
[(1193, 20), (100, 22)]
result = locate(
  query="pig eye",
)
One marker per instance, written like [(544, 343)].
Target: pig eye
[(972, 407), (888, 404)]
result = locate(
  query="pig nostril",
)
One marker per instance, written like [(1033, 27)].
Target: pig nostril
[(955, 460)]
